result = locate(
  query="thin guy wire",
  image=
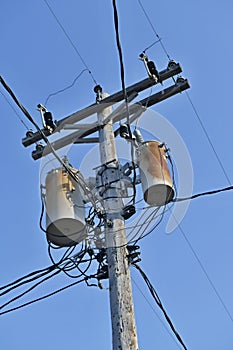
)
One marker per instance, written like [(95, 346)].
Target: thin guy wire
[(204, 270), (69, 39), (154, 30), (14, 110), (160, 304), (208, 138), (154, 311)]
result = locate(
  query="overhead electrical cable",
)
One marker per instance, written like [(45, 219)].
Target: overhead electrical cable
[(70, 41), (155, 312), (28, 277), (43, 297), (122, 70), (160, 305), (26, 281), (208, 193), (28, 290)]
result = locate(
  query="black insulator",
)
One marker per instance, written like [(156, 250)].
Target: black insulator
[(102, 272), (152, 69), (39, 147), (143, 57), (124, 131), (48, 118), (171, 64), (132, 248), (101, 255), (29, 133), (97, 89), (128, 211)]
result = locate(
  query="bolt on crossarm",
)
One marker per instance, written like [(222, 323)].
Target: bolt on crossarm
[(124, 334)]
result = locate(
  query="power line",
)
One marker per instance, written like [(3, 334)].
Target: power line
[(69, 39), (122, 70), (153, 309), (29, 290), (160, 305), (203, 194), (21, 281), (29, 280), (42, 298)]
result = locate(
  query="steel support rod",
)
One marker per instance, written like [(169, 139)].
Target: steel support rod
[(124, 336)]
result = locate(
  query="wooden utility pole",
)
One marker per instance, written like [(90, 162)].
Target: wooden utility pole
[(124, 336)]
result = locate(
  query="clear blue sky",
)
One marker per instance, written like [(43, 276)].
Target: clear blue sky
[(36, 60)]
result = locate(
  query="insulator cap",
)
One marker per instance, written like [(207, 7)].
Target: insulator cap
[(124, 131), (48, 118), (98, 89)]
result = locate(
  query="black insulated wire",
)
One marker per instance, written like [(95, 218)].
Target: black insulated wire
[(160, 305), (43, 297), (208, 193), (122, 73), (66, 88)]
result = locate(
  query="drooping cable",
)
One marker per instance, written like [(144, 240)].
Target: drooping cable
[(65, 264), (27, 278), (26, 281), (160, 305), (43, 297), (66, 88), (70, 41), (155, 312), (29, 289), (143, 234)]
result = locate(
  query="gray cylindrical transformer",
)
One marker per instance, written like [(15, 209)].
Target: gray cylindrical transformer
[(65, 211), (154, 172)]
